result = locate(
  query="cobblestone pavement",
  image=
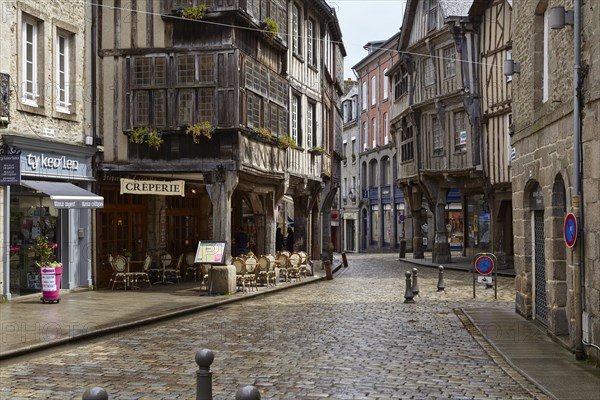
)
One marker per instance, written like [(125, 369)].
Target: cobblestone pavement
[(350, 338)]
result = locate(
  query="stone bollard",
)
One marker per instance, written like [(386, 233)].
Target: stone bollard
[(204, 358), (247, 393), (441, 286), (415, 285), (408, 295), (328, 270), (95, 393)]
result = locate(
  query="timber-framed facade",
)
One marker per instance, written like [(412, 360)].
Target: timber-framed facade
[(242, 97)]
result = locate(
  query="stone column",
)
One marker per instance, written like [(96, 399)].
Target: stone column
[(220, 192), (300, 219), (415, 203), (269, 226), (441, 247)]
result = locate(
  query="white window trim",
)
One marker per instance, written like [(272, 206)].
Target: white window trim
[(385, 84), (63, 106), (29, 98), (309, 127), (373, 90), (364, 95), (373, 130), (295, 116), (386, 129)]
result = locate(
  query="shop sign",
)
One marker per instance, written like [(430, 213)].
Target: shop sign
[(54, 165), (10, 170), (162, 188)]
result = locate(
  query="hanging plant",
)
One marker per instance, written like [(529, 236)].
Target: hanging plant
[(203, 128), (154, 139), (271, 27), (316, 150), (286, 141), (192, 12)]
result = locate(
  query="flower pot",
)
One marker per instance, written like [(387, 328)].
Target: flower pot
[(51, 279)]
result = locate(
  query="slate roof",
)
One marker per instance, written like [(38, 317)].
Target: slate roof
[(455, 8)]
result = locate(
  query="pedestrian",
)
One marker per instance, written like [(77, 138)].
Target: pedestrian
[(241, 242), (289, 241), (278, 240)]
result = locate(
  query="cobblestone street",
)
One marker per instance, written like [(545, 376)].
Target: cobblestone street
[(350, 338)]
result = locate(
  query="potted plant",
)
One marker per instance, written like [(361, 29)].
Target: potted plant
[(286, 141), (264, 133), (51, 270), (154, 139), (192, 12), (344, 158), (203, 128), (270, 26), (316, 150), (137, 135), (353, 157)]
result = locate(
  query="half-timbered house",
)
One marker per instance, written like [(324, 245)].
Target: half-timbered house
[(228, 97), (450, 163)]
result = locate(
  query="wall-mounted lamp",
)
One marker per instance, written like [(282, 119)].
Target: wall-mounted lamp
[(558, 17), (511, 67)]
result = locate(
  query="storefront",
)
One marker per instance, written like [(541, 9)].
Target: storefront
[(50, 197)]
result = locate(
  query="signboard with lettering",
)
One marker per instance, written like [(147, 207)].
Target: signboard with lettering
[(51, 165), (10, 170), (164, 188), (211, 252)]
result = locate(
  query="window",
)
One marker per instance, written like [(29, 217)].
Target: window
[(429, 72), (373, 132), (30, 90), (254, 105), (385, 171), (353, 149), (311, 130), (406, 145), (400, 84), (296, 34), (63, 71), (373, 91), (345, 150), (386, 129), (386, 82), (460, 134), (149, 93), (296, 118), (364, 95), (431, 11), (311, 42), (437, 134), (449, 62), (365, 135)]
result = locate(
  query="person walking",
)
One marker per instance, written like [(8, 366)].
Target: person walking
[(289, 241), (279, 240)]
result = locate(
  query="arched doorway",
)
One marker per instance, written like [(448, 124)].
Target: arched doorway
[(536, 204)]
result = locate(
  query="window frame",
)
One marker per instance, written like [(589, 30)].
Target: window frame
[(30, 98), (63, 106), (458, 128), (296, 30), (449, 61), (428, 72), (437, 135), (373, 90), (386, 82)]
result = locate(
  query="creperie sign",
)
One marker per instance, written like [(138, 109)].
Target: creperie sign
[(164, 188)]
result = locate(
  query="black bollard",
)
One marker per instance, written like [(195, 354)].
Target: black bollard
[(344, 260), (204, 358), (408, 296), (247, 393), (441, 286), (95, 393), (415, 285)]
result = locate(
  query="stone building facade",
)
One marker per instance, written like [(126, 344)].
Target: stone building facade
[(557, 285), (45, 138)]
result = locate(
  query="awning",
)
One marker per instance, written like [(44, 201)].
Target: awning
[(66, 195)]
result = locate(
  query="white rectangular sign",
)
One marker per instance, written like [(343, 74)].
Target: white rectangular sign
[(164, 188), (488, 280)]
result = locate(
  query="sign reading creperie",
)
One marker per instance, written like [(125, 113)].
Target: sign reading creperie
[(164, 188)]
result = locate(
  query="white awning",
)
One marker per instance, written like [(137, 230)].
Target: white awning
[(66, 195)]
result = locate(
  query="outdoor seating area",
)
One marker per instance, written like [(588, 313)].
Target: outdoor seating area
[(251, 271)]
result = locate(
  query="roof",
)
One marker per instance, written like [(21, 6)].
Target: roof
[(455, 8)]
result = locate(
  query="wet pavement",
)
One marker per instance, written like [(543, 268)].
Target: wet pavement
[(349, 338)]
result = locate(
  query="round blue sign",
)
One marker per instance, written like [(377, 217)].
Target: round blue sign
[(484, 265), (570, 229)]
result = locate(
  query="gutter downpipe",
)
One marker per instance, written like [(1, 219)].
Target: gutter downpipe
[(6, 270), (579, 250)]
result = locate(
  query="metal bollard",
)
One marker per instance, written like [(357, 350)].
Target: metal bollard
[(408, 295), (247, 393), (415, 285), (441, 286), (204, 358), (344, 260), (95, 393)]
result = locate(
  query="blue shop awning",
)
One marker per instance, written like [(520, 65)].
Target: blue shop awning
[(453, 196), (66, 195)]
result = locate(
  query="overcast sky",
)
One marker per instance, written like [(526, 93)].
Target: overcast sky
[(364, 21)]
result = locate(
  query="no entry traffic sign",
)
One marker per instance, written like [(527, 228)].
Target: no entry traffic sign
[(484, 265), (570, 229)]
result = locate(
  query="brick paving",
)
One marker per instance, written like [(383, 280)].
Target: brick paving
[(350, 338)]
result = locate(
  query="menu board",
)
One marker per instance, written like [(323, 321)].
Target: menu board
[(211, 252)]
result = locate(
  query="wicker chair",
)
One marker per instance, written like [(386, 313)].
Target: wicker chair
[(119, 267)]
